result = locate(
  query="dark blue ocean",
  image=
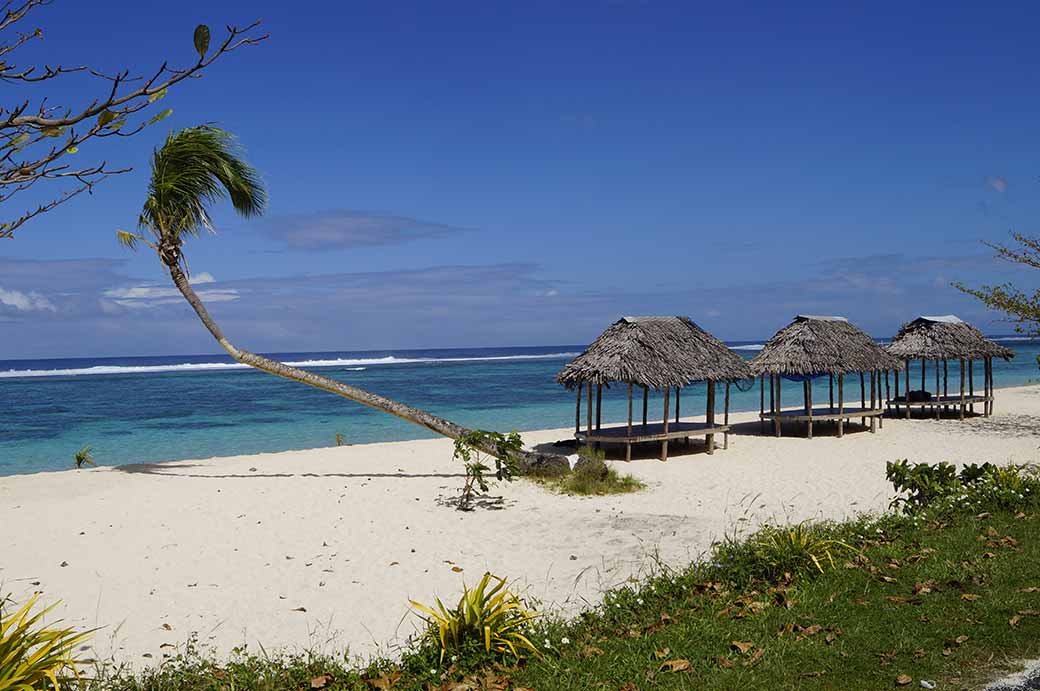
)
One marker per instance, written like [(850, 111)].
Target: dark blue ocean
[(145, 409)]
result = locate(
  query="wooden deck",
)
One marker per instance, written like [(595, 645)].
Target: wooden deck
[(823, 414), (937, 403), (655, 431)]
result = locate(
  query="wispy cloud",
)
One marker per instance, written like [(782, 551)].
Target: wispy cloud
[(150, 295), (26, 302), (343, 228)]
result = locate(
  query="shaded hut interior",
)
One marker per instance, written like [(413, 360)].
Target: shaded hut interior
[(811, 347), (938, 340), (661, 354)]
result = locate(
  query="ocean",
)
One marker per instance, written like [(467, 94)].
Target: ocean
[(148, 409)]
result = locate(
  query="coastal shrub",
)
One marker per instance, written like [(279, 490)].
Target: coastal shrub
[(85, 456), (591, 477), (34, 655), (471, 449), (940, 488), (340, 440), (489, 620), (777, 553)]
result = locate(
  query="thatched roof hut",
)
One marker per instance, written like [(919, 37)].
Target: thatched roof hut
[(660, 353), (656, 352), (941, 339), (812, 345), (944, 338)]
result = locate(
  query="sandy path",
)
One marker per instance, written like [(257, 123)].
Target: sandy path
[(231, 548)]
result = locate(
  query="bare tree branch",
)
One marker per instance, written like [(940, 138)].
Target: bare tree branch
[(37, 141)]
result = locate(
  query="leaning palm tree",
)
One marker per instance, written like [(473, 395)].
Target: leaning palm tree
[(200, 166)]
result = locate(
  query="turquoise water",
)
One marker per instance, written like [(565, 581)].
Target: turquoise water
[(178, 407)]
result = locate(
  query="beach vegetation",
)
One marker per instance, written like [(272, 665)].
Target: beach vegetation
[(470, 448), (197, 167), (85, 456), (42, 139), (340, 440), (35, 655), (940, 488), (781, 553), (488, 623), (592, 476)]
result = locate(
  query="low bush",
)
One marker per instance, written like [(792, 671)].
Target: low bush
[(470, 449), (940, 489), (34, 655)]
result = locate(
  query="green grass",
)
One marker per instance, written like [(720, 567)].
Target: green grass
[(587, 484)]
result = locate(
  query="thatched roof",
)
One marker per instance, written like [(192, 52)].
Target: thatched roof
[(946, 337), (657, 352), (821, 345)]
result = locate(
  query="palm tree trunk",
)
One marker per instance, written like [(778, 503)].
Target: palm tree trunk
[(528, 461)]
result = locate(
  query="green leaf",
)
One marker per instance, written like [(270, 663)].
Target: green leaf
[(127, 239), (106, 117), (160, 116), (202, 40), (117, 123), (20, 139), (157, 95), (72, 150), (52, 131)]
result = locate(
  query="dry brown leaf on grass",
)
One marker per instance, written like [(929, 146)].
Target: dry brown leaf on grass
[(1030, 589), (590, 651), (457, 569), (904, 680), (321, 681), (679, 665), (1013, 621), (629, 686), (887, 657), (970, 597), (755, 657), (662, 653), (812, 675), (384, 682), (725, 663), (742, 646)]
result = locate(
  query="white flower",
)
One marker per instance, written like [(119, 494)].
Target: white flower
[(565, 641), (433, 671), (547, 643), (454, 658), (639, 600)]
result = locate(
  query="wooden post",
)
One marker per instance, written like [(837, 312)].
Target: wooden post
[(778, 405), (808, 404), (881, 405), (971, 385), (989, 382), (896, 399), (888, 391), (961, 415), (831, 382), (711, 415), (946, 384), (922, 374), (862, 397), (646, 396), (841, 404), (577, 411), (937, 406), (873, 400), (677, 390), (628, 444), (772, 393), (908, 389), (588, 413), (725, 420), (599, 404), (664, 442), (761, 402)]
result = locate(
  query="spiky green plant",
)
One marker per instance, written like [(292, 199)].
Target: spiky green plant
[(490, 617), (84, 456), (797, 549), (34, 655)]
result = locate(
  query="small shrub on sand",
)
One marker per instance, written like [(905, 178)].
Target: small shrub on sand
[(470, 450), (84, 456), (939, 488), (488, 621), (32, 654), (592, 477)]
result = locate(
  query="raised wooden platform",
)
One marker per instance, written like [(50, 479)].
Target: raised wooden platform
[(654, 431), (939, 402), (823, 414)]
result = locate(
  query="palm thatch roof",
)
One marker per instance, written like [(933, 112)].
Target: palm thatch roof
[(657, 352), (813, 345), (946, 337)]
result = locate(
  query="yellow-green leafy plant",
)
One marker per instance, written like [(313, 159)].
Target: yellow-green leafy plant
[(488, 617), (34, 655), (797, 549)]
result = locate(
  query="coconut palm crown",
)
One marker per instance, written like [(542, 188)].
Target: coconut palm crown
[(194, 168)]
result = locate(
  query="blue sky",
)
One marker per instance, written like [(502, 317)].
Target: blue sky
[(469, 174)]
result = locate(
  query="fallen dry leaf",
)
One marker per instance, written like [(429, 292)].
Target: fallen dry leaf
[(811, 675), (321, 681), (755, 657), (167, 627), (970, 597), (1030, 589), (904, 680), (662, 653), (679, 665), (742, 646), (1013, 621), (591, 651), (725, 663), (384, 682), (457, 569)]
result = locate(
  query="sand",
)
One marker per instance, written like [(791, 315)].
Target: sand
[(322, 549)]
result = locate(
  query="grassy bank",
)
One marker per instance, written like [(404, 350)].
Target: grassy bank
[(947, 592)]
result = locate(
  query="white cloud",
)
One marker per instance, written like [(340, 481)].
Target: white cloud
[(26, 302), (144, 296)]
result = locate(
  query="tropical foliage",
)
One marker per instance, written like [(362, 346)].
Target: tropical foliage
[(940, 487), (34, 655), (488, 618), (85, 456), (471, 449)]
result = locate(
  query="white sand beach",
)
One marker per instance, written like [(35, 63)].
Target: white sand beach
[(323, 548)]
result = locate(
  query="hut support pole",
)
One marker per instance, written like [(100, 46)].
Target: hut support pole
[(896, 399), (971, 384), (711, 416), (599, 404), (907, 392), (646, 397), (888, 386), (873, 400), (880, 403), (778, 404), (577, 411), (808, 404), (725, 419), (841, 404), (937, 389), (664, 442), (831, 377), (961, 414), (946, 383), (862, 397), (588, 414), (761, 402), (922, 374), (989, 389), (628, 444)]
